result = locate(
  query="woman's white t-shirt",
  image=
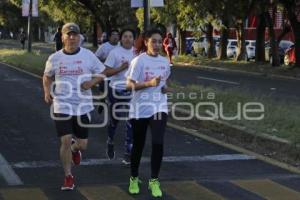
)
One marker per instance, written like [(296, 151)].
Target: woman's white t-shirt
[(151, 100), (116, 58)]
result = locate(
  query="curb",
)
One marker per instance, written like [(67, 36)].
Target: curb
[(242, 129), (236, 148), (210, 68), (21, 70)]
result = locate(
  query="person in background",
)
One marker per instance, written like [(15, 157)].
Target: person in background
[(23, 39), (104, 49), (102, 53), (169, 46), (117, 62), (58, 40)]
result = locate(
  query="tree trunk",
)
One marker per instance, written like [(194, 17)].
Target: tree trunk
[(297, 44), (42, 33), (260, 39), (241, 49), (95, 34), (273, 42), (210, 41), (181, 41), (222, 51), (296, 30)]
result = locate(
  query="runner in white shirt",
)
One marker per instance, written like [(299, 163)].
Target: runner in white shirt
[(71, 70), (102, 53), (147, 77), (119, 57), (104, 49)]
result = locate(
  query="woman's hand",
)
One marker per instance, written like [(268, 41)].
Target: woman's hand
[(154, 82)]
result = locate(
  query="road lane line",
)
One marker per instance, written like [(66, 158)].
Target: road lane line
[(170, 159), (23, 194), (104, 193), (268, 189), (190, 190), (8, 173), (218, 80), (21, 70)]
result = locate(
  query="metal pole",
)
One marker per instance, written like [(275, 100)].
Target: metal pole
[(146, 14), (29, 26)]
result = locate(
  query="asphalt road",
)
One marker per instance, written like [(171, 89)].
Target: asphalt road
[(277, 89), (194, 169)]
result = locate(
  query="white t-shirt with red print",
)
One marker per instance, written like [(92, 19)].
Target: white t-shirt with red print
[(69, 72), (151, 100), (116, 58), (103, 51)]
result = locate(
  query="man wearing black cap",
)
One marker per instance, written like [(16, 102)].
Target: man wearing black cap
[(73, 70)]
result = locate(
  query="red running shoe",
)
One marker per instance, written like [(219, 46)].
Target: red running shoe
[(68, 183)]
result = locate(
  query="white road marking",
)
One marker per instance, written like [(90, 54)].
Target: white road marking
[(218, 80), (8, 173), (171, 159), (21, 70)]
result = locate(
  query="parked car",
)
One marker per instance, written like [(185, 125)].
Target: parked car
[(282, 47), (250, 48), (231, 48), (200, 45), (188, 44), (290, 56)]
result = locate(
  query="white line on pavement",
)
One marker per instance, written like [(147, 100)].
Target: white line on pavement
[(218, 80), (91, 162), (8, 173), (21, 70)]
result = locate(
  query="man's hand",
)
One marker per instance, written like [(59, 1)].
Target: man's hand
[(87, 85), (124, 65), (48, 98)]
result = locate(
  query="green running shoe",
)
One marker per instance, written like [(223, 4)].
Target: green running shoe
[(154, 186), (134, 185)]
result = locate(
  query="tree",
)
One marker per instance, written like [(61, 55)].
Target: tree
[(224, 10), (273, 41), (108, 14), (164, 16), (10, 15), (293, 12), (260, 11), (240, 11), (201, 15)]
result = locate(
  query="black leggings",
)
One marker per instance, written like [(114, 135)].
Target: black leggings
[(157, 125)]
